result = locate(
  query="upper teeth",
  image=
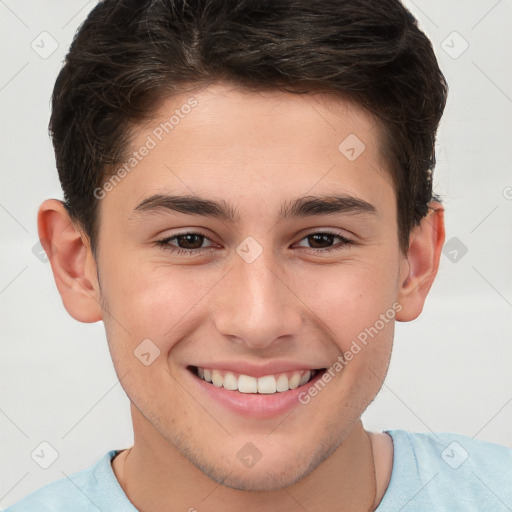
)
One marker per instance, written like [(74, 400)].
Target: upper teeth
[(267, 384)]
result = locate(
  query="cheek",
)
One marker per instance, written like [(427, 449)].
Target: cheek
[(352, 300), (355, 304), (153, 300)]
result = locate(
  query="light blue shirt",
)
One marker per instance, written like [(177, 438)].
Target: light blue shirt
[(432, 472)]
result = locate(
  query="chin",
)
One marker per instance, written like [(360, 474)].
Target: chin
[(260, 482), (264, 478), (282, 469)]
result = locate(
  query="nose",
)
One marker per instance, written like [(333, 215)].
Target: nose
[(256, 303)]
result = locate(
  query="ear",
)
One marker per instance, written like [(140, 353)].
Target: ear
[(419, 266), (72, 262)]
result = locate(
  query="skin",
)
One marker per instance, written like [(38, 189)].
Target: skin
[(255, 150)]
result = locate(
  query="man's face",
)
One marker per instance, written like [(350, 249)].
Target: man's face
[(258, 295)]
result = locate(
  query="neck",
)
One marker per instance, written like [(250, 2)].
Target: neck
[(153, 474)]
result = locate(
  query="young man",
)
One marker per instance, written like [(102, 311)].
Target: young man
[(248, 209)]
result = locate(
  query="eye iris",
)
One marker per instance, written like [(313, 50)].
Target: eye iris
[(188, 240), (318, 237)]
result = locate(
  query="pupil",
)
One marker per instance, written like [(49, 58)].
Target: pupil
[(316, 238), (188, 238)]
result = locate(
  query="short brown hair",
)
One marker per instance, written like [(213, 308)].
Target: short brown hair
[(129, 54)]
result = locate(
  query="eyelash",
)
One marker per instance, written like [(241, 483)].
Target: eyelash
[(164, 243)]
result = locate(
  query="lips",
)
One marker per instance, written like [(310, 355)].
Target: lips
[(260, 391)]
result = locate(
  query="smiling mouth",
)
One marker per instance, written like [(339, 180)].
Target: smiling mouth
[(267, 384)]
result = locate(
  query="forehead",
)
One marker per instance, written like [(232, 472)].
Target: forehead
[(224, 112), (225, 141)]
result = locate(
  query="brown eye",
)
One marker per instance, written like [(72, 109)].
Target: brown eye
[(190, 241), (323, 242), (322, 239)]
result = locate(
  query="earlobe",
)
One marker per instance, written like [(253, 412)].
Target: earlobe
[(419, 268), (72, 262)]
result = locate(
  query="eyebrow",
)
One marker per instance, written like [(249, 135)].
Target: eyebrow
[(301, 207)]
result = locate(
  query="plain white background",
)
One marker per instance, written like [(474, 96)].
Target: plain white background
[(450, 370)]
